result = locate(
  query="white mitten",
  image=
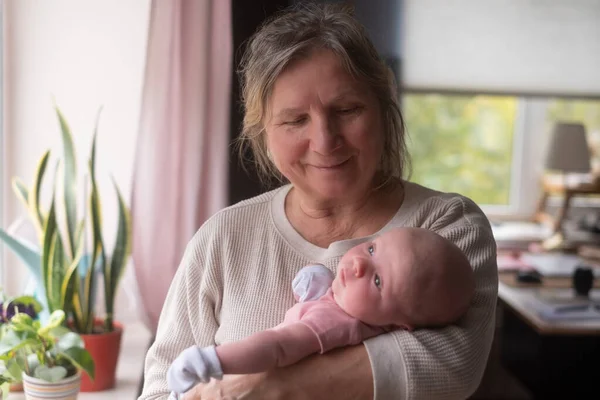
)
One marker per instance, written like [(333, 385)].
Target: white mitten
[(312, 282), (193, 365)]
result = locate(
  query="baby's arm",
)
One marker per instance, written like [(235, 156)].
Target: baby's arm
[(268, 349), (259, 352)]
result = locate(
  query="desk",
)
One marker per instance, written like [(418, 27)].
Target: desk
[(554, 359), (567, 189), (129, 370)]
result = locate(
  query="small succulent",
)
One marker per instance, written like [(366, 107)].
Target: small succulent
[(50, 352)]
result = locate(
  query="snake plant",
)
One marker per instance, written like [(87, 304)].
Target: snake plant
[(65, 272)]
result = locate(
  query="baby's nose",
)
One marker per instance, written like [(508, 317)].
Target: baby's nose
[(359, 267)]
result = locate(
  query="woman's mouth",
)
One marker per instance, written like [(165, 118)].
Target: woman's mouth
[(332, 166)]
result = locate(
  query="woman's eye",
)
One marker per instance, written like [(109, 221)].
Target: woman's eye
[(371, 250), (377, 281), (298, 121), (345, 111)]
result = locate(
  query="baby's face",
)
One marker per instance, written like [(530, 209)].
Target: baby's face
[(370, 276)]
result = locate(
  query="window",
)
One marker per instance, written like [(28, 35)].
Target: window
[(462, 144), (490, 148)]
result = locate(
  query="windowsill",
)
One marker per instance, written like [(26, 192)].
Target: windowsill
[(129, 371)]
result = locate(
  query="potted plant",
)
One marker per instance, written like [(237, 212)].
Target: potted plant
[(49, 357), (9, 307), (68, 274)]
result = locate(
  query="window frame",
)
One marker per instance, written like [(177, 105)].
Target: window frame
[(529, 144), (2, 144)]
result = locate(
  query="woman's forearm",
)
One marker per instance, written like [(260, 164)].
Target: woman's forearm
[(345, 372)]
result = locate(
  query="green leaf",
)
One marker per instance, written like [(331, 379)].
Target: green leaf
[(77, 310), (30, 256), (94, 186), (70, 182), (79, 234), (81, 359), (49, 238), (13, 368), (57, 272), (9, 341), (50, 374), (31, 362), (20, 345), (59, 331), (56, 319), (53, 292), (120, 254), (21, 191), (34, 197), (98, 254), (22, 322), (67, 290), (69, 340)]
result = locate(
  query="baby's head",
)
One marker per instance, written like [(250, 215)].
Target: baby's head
[(407, 277)]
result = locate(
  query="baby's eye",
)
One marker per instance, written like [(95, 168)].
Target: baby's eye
[(371, 250), (377, 281)]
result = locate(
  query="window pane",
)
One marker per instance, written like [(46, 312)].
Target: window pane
[(462, 144), (586, 112)]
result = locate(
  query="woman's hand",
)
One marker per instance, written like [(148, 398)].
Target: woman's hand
[(345, 372), (232, 387)]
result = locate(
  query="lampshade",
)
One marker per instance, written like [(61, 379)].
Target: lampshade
[(568, 151)]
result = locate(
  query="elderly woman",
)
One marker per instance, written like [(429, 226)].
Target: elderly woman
[(321, 114)]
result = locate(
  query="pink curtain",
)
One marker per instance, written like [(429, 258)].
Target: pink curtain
[(180, 173)]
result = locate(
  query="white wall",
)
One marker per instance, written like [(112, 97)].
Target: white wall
[(505, 46), (84, 54)]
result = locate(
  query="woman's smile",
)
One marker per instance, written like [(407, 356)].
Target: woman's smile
[(332, 166)]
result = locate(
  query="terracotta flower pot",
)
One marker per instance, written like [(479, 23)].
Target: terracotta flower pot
[(38, 389), (16, 387), (104, 349)]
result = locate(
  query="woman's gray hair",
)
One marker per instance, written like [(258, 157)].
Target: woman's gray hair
[(294, 34)]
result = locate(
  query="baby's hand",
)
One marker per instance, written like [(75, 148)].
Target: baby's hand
[(312, 282), (193, 365)]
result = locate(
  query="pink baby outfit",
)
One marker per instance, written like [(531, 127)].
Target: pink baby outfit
[(332, 326)]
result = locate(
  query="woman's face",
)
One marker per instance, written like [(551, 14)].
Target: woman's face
[(324, 129)]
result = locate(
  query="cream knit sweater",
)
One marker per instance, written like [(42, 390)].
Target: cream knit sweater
[(235, 279)]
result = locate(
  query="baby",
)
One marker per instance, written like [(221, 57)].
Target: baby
[(406, 278)]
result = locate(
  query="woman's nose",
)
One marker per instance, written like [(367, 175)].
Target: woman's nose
[(324, 138)]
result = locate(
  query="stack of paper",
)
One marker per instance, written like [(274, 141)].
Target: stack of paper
[(556, 264), (553, 306), (519, 235)]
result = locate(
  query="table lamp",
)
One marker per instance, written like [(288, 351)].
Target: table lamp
[(569, 151)]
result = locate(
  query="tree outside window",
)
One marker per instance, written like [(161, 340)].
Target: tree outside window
[(462, 143)]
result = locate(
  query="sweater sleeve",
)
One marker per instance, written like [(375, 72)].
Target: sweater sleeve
[(446, 363), (187, 318)]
